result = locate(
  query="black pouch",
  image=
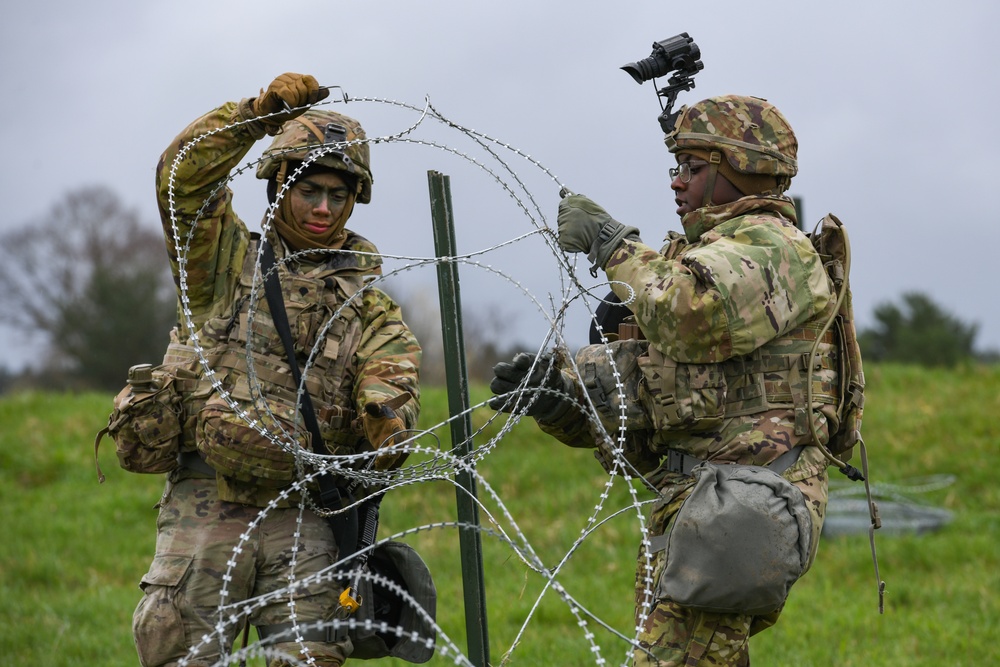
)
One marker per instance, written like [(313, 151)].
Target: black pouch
[(386, 625)]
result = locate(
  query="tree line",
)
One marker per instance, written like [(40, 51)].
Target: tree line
[(90, 280)]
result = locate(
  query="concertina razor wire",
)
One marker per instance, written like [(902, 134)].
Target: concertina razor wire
[(437, 465)]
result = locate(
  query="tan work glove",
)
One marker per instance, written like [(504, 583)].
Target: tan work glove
[(384, 428), (288, 91)]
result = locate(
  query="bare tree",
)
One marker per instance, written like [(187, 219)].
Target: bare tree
[(94, 283)]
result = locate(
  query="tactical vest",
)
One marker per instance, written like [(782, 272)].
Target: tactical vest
[(681, 397), (678, 398), (242, 421)]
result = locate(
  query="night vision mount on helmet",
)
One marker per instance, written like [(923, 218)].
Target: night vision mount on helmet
[(678, 54), (751, 133)]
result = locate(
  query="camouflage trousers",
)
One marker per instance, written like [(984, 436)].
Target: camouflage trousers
[(207, 555), (672, 635)]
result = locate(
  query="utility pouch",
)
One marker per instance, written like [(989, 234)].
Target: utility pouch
[(738, 542), (145, 423), (238, 445), (678, 396), (611, 375), (387, 624)]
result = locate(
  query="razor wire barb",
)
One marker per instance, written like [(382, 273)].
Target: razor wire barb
[(440, 465)]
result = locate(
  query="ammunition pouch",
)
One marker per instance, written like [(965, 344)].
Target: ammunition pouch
[(679, 396), (610, 376), (183, 361), (147, 418), (245, 445)]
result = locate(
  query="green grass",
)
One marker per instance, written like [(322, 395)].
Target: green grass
[(73, 550)]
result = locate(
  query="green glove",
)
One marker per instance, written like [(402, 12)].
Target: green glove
[(545, 389), (291, 89), (579, 222), (586, 227)]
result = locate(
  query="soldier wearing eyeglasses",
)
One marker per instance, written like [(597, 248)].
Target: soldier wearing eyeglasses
[(726, 311)]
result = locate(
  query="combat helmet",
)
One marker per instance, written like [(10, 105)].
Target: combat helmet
[(753, 136), (304, 137)]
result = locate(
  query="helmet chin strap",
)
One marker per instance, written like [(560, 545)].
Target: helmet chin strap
[(713, 160)]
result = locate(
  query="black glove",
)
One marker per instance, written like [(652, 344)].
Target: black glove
[(549, 404)]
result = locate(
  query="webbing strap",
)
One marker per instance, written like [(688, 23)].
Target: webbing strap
[(713, 159), (276, 305), (876, 523), (344, 524), (680, 462), (307, 632), (657, 543), (193, 460), (786, 460)]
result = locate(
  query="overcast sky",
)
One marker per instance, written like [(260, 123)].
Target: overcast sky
[(893, 104)]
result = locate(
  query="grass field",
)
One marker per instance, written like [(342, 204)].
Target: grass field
[(73, 550)]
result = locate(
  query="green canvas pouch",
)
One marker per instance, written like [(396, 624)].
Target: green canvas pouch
[(738, 542)]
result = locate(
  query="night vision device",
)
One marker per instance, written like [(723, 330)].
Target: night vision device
[(678, 54)]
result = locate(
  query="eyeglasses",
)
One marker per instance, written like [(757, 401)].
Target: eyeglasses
[(683, 170)]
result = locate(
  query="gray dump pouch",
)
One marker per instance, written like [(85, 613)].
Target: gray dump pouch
[(738, 542)]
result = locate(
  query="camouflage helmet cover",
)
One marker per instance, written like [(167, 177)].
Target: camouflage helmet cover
[(301, 136), (753, 135)]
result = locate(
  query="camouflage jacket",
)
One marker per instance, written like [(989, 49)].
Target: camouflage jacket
[(748, 293), (218, 253)]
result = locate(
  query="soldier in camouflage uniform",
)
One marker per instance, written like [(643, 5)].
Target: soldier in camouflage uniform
[(363, 379), (728, 311)]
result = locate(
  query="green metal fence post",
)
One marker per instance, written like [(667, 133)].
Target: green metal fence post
[(470, 541)]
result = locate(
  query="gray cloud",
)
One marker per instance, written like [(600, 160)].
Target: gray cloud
[(891, 102)]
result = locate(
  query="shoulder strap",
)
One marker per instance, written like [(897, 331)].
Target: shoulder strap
[(344, 524), (276, 304), (786, 460)]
